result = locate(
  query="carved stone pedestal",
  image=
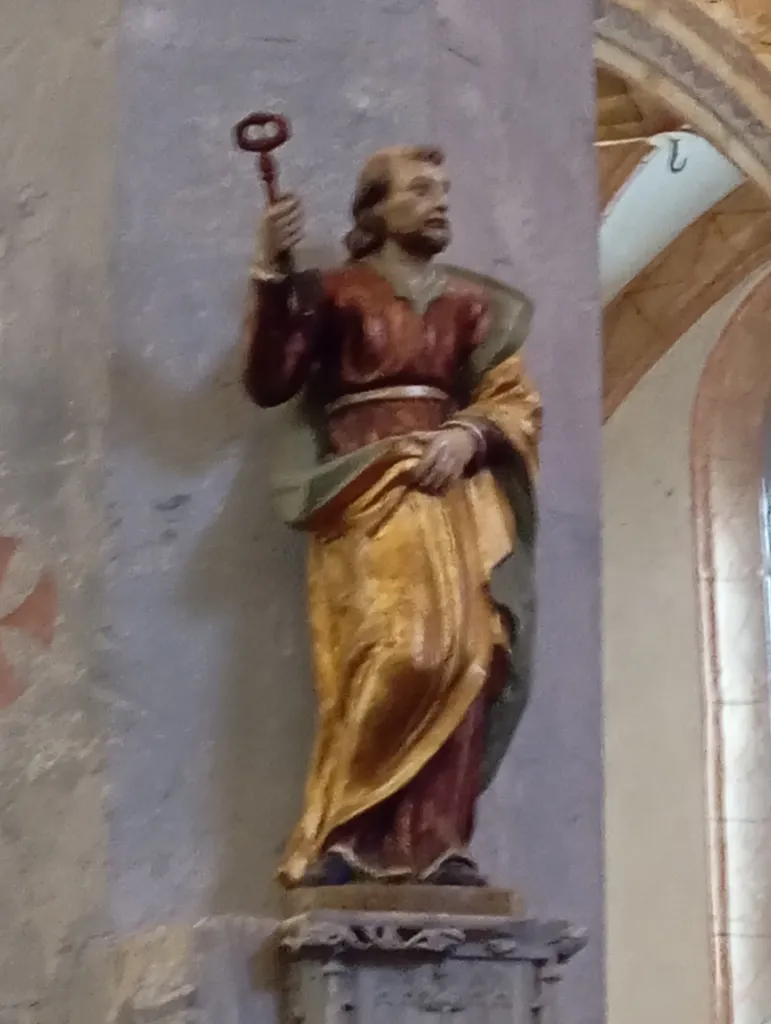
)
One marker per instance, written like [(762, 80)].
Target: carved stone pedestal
[(376, 967)]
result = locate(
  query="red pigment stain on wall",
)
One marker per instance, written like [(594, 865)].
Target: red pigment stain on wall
[(34, 616)]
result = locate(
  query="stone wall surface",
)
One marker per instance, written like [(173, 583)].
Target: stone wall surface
[(56, 177), (180, 650)]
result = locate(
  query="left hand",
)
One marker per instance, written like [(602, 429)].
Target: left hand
[(445, 460)]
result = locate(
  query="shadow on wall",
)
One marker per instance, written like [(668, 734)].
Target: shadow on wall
[(247, 570)]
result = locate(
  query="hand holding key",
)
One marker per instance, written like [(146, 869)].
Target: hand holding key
[(282, 227), (282, 224)]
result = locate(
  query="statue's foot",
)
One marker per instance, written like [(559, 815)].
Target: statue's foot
[(457, 871), (332, 869)]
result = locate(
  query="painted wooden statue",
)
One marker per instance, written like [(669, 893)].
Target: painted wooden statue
[(408, 455)]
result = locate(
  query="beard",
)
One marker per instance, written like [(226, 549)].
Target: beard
[(424, 242)]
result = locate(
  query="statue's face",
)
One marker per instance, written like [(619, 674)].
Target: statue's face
[(415, 210)]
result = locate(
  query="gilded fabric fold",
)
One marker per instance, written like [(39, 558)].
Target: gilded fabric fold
[(404, 627)]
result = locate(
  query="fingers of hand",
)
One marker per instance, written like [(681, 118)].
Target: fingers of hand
[(286, 207), (426, 464), (438, 470), (285, 223)]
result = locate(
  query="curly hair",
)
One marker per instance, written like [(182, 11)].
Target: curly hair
[(368, 232)]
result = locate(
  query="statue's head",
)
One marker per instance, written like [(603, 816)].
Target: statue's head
[(401, 194)]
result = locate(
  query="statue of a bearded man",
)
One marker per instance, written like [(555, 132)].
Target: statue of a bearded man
[(408, 456)]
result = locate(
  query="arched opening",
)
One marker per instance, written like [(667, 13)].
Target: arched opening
[(675, 840), (727, 465), (697, 67)]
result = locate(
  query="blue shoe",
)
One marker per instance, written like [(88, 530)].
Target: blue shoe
[(332, 869)]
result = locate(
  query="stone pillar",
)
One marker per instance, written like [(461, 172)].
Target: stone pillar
[(212, 709)]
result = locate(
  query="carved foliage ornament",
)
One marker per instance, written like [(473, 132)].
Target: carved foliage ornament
[(384, 938), (555, 943)]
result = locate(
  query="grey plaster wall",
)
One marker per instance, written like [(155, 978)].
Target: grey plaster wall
[(174, 701), (57, 124)]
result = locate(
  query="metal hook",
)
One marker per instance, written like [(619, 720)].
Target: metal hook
[(674, 167)]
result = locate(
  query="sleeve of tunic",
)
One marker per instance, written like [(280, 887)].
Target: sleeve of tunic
[(475, 329), (280, 343), (478, 324)]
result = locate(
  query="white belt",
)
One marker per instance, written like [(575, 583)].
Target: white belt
[(396, 393)]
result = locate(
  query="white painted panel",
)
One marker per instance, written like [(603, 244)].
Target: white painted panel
[(656, 205)]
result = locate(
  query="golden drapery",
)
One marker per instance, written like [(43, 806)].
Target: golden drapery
[(403, 626)]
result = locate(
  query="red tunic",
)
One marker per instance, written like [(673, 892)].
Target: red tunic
[(364, 336)]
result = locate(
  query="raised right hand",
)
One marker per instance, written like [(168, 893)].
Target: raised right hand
[(281, 228)]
